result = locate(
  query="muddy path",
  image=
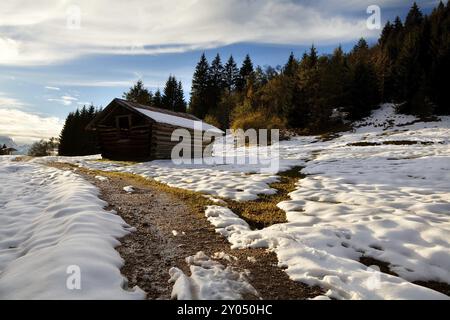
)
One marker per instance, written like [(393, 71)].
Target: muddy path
[(154, 247)]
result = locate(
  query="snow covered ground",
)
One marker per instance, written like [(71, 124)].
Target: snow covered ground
[(53, 229), (367, 193)]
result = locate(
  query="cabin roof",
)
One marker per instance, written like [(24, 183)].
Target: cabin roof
[(178, 119)]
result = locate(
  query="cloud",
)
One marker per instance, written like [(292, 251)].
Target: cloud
[(25, 127), (52, 88), (64, 100), (44, 31), (7, 102)]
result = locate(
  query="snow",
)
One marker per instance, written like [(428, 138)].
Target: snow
[(179, 121), (101, 178), (219, 181), (128, 189), (209, 280), (390, 202), (52, 222)]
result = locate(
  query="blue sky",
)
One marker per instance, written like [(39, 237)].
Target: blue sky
[(57, 55)]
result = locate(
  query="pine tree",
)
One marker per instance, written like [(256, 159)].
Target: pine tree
[(216, 74), (245, 73), (198, 105), (139, 94), (157, 99), (74, 139), (414, 17), (180, 104), (231, 75), (173, 97), (290, 68)]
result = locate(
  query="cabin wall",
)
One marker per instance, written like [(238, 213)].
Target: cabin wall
[(129, 141), (161, 144), (133, 144)]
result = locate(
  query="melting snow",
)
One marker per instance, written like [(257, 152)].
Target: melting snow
[(390, 202), (52, 222), (209, 280)]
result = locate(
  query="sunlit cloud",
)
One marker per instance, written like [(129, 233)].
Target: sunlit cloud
[(52, 88), (25, 127), (29, 37), (64, 100)]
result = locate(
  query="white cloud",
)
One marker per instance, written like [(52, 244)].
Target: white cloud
[(52, 88), (42, 32), (25, 127), (7, 102), (64, 100)]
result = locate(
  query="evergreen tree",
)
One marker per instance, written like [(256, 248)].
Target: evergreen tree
[(173, 97), (75, 140), (180, 104), (216, 74), (245, 73), (157, 99), (198, 105), (231, 75), (290, 68), (414, 17), (139, 94)]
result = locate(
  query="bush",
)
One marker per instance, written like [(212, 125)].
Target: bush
[(258, 120), (44, 148), (212, 120)]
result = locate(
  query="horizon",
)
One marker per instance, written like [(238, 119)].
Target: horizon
[(44, 77)]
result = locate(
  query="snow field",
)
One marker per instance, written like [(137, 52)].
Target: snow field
[(52, 223)]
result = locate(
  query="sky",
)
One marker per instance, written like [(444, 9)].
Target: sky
[(57, 55)]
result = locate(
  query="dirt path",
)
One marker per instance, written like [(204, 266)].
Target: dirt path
[(153, 249)]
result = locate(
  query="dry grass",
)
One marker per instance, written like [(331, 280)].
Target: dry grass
[(194, 200), (122, 163), (391, 142), (259, 213), (264, 212)]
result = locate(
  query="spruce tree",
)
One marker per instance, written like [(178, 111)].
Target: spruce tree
[(245, 73), (231, 75), (290, 68), (198, 104), (74, 139), (414, 17), (173, 97), (157, 99), (139, 94)]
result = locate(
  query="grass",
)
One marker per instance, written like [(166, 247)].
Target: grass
[(264, 212), (122, 163), (194, 200), (392, 142), (259, 213)]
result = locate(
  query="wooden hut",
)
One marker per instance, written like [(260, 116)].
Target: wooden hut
[(6, 151), (131, 131)]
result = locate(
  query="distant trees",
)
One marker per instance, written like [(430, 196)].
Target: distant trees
[(74, 139), (172, 97), (410, 65), (139, 94), (44, 148), (415, 61)]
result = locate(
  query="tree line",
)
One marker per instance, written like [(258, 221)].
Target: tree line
[(409, 65), (74, 139)]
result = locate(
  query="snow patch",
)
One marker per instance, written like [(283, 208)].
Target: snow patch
[(50, 221), (209, 280)]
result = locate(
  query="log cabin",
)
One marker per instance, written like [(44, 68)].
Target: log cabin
[(6, 151), (131, 131)]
